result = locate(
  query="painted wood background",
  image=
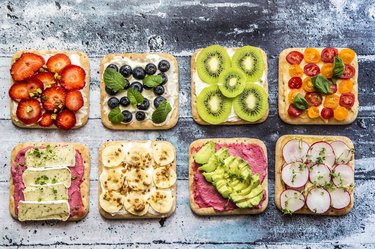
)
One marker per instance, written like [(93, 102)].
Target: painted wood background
[(101, 27)]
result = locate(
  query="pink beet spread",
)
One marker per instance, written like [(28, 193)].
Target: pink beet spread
[(74, 191), (206, 195)]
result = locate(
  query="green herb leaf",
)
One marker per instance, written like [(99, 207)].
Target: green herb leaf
[(152, 80), (115, 115), (134, 96), (338, 67), (114, 80), (161, 113), (321, 84), (300, 102)]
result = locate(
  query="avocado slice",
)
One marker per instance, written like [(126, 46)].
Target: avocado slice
[(244, 203), (224, 190), (257, 199), (222, 154), (256, 191), (211, 165), (255, 181), (208, 175), (205, 153)]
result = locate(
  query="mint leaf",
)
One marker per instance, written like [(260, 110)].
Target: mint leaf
[(134, 96), (161, 113), (115, 115), (114, 80), (152, 80), (321, 84), (300, 102)]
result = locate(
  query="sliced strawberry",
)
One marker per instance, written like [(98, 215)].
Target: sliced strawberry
[(57, 62), (26, 66), (29, 111), (73, 77), (53, 98), (74, 100), (46, 120), (65, 120), (35, 87), (19, 91), (47, 78)]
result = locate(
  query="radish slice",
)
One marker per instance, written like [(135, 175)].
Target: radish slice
[(292, 200), (320, 174), (295, 175), (340, 198), (295, 151), (321, 153), (342, 152), (343, 176), (318, 200)]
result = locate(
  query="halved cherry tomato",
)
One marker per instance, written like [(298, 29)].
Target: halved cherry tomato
[(313, 112), (293, 93), (311, 69), (349, 72), (331, 101), (313, 99), (345, 86), (332, 88), (295, 71), (347, 55), (327, 70), (340, 113), (294, 57), (329, 54), (347, 100), (307, 85), (295, 83), (293, 111), (311, 55), (326, 113)]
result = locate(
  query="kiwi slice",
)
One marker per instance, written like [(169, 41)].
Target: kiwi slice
[(211, 61), (250, 60), (232, 82), (213, 107), (252, 103)]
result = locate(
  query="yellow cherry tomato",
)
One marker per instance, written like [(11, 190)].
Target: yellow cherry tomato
[(307, 85), (327, 70), (331, 101), (295, 71), (292, 94), (311, 55), (345, 86), (313, 112), (340, 113), (347, 55)]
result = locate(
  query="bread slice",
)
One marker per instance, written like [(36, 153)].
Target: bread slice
[(194, 95), (210, 211), (85, 64), (147, 124), (279, 162), (84, 187), (304, 119)]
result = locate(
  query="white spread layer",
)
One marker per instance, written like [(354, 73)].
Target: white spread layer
[(200, 85)]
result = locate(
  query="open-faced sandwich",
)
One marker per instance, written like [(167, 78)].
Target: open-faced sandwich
[(318, 86), (137, 179), (314, 175), (139, 91), (229, 85), (49, 89), (49, 181), (228, 176)]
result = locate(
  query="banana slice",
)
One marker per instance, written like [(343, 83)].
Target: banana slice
[(164, 177), (138, 179), (111, 201), (163, 153), (136, 203), (113, 156), (139, 156), (112, 178), (162, 201)]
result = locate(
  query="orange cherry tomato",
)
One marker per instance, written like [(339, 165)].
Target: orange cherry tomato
[(340, 113), (307, 85), (293, 93), (311, 55), (331, 101), (347, 55), (313, 112), (346, 86), (295, 71), (327, 70)]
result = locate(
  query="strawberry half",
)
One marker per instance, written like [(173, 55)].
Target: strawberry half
[(46, 120), (65, 120), (57, 62), (35, 87), (53, 98), (26, 66), (73, 77), (18, 91), (74, 100), (46, 77), (29, 111)]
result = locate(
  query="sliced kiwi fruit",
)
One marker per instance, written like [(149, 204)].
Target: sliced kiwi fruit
[(250, 60), (213, 107), (211, 61), (252, 103), (231, 82)]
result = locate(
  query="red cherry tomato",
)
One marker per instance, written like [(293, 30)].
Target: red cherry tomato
[(349, 72), (329, 54), (332, 88), (311, 69), (295, 83), (313, 99), (326, 113), (294, 57), (347, 100), (293, 111)]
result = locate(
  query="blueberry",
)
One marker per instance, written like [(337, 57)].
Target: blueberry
[(139, 73), (113, 66), (150, 68), (137, 86), (113, 102), (110, 91), (144, 105), (127, 84), (158, 100), (124, 101), (164, 66), (159, 90), (128, 116), (164, 77), (126, 70), (139, 115)]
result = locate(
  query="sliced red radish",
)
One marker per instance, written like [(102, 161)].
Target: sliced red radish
[(292, 200), (340, 198), (321, 153), (320, 174), (343, 176), (295, 175), (295, 151), (342, 152), (318, 200)]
